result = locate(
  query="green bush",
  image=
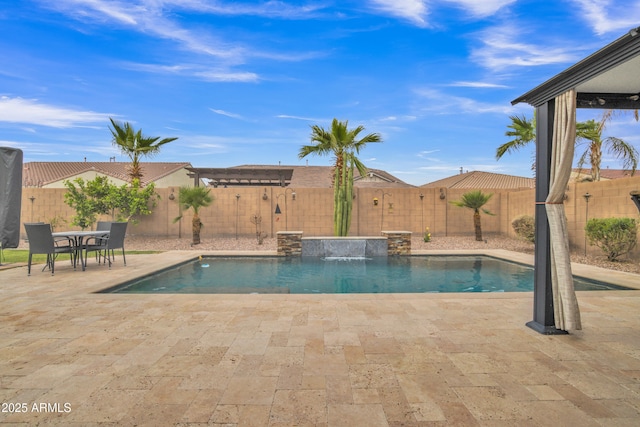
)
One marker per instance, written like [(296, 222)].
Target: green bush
[(525, 227), (615, 236)]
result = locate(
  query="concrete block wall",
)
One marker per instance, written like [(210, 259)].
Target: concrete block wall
[(312, 211)]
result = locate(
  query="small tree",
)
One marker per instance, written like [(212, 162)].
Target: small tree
[(89, 199), (194, 198), (475, 200), (132, 200), (615, 236), (99, 197)]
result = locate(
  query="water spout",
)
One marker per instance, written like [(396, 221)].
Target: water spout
[(344, 248)]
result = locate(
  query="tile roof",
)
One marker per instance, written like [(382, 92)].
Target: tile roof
[(584, 174), (38, 174), (478, 179)]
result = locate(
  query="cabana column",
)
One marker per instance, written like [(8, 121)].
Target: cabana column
[(607, 79), (543, 318)]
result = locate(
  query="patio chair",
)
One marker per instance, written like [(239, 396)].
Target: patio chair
[(41, 241), (115, 240), (101, 226)]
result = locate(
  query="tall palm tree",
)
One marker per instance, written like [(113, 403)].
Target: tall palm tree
[(135, 145), (523, 131), (590, 133), (338, 140), (344, 145), (194, 198), (475, 200)]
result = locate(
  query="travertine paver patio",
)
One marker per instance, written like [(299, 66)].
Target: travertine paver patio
[(325, 360)]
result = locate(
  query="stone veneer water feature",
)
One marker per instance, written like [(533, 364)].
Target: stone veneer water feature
[(291, 243)]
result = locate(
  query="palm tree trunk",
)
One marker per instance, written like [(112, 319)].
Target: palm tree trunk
[(596, 160), (478, 227), (196, 225)]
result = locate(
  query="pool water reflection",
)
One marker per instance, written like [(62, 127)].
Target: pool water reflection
[(309, 275)]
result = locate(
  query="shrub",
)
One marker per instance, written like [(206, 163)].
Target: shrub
[(615, 236), (100, 197), (427, 235), (525, 227)]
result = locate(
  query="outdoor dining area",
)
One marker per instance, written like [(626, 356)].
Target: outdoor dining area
[(103, 241)]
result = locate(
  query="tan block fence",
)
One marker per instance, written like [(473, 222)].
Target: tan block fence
[(311, 211)]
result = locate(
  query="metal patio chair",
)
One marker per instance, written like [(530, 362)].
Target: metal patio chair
[(41, 241), (105, 246)]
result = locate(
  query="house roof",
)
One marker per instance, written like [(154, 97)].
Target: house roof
[(606, 79), (478, 180), (322, 177), (584, 174), (38, 174)]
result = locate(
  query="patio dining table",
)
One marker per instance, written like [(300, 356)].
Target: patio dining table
[(78, 238)]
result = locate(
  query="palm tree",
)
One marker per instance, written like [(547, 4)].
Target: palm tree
[(590, 132), (194, 198), (475, 200), (337, 141), (344, 145), (523, 132), (135, 145)]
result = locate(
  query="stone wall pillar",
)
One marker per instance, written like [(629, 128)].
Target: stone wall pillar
[(398, 242), (289, 243)]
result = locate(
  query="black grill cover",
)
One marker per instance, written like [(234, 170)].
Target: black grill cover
[(10, 196)]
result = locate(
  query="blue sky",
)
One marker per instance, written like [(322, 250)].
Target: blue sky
[(242, 82)]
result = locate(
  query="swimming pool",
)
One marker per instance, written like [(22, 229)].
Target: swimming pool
[(310, 275)]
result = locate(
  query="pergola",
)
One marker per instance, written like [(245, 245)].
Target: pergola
[(607, 79), (242, 176)]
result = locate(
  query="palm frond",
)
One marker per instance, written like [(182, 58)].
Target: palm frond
[(623, 151), (523, 132), (134, 145), (473, 200)]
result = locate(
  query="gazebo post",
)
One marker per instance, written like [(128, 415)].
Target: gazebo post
[(604, 79), (543, 317)]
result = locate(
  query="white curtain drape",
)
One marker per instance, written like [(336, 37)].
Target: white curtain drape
[(565, 303)]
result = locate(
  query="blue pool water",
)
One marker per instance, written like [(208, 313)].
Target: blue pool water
[(309, 275)]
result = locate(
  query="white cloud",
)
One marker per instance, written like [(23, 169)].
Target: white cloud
[(157, 18), (481, 8), (19, 110), (306, 119), (606, 16), (148, 17), (501, 50), (227, 114), (444, 103), (414, 11), (417, 11), (426, 152), (478, 85), (269, 9), (227, 76), (193, 70)]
